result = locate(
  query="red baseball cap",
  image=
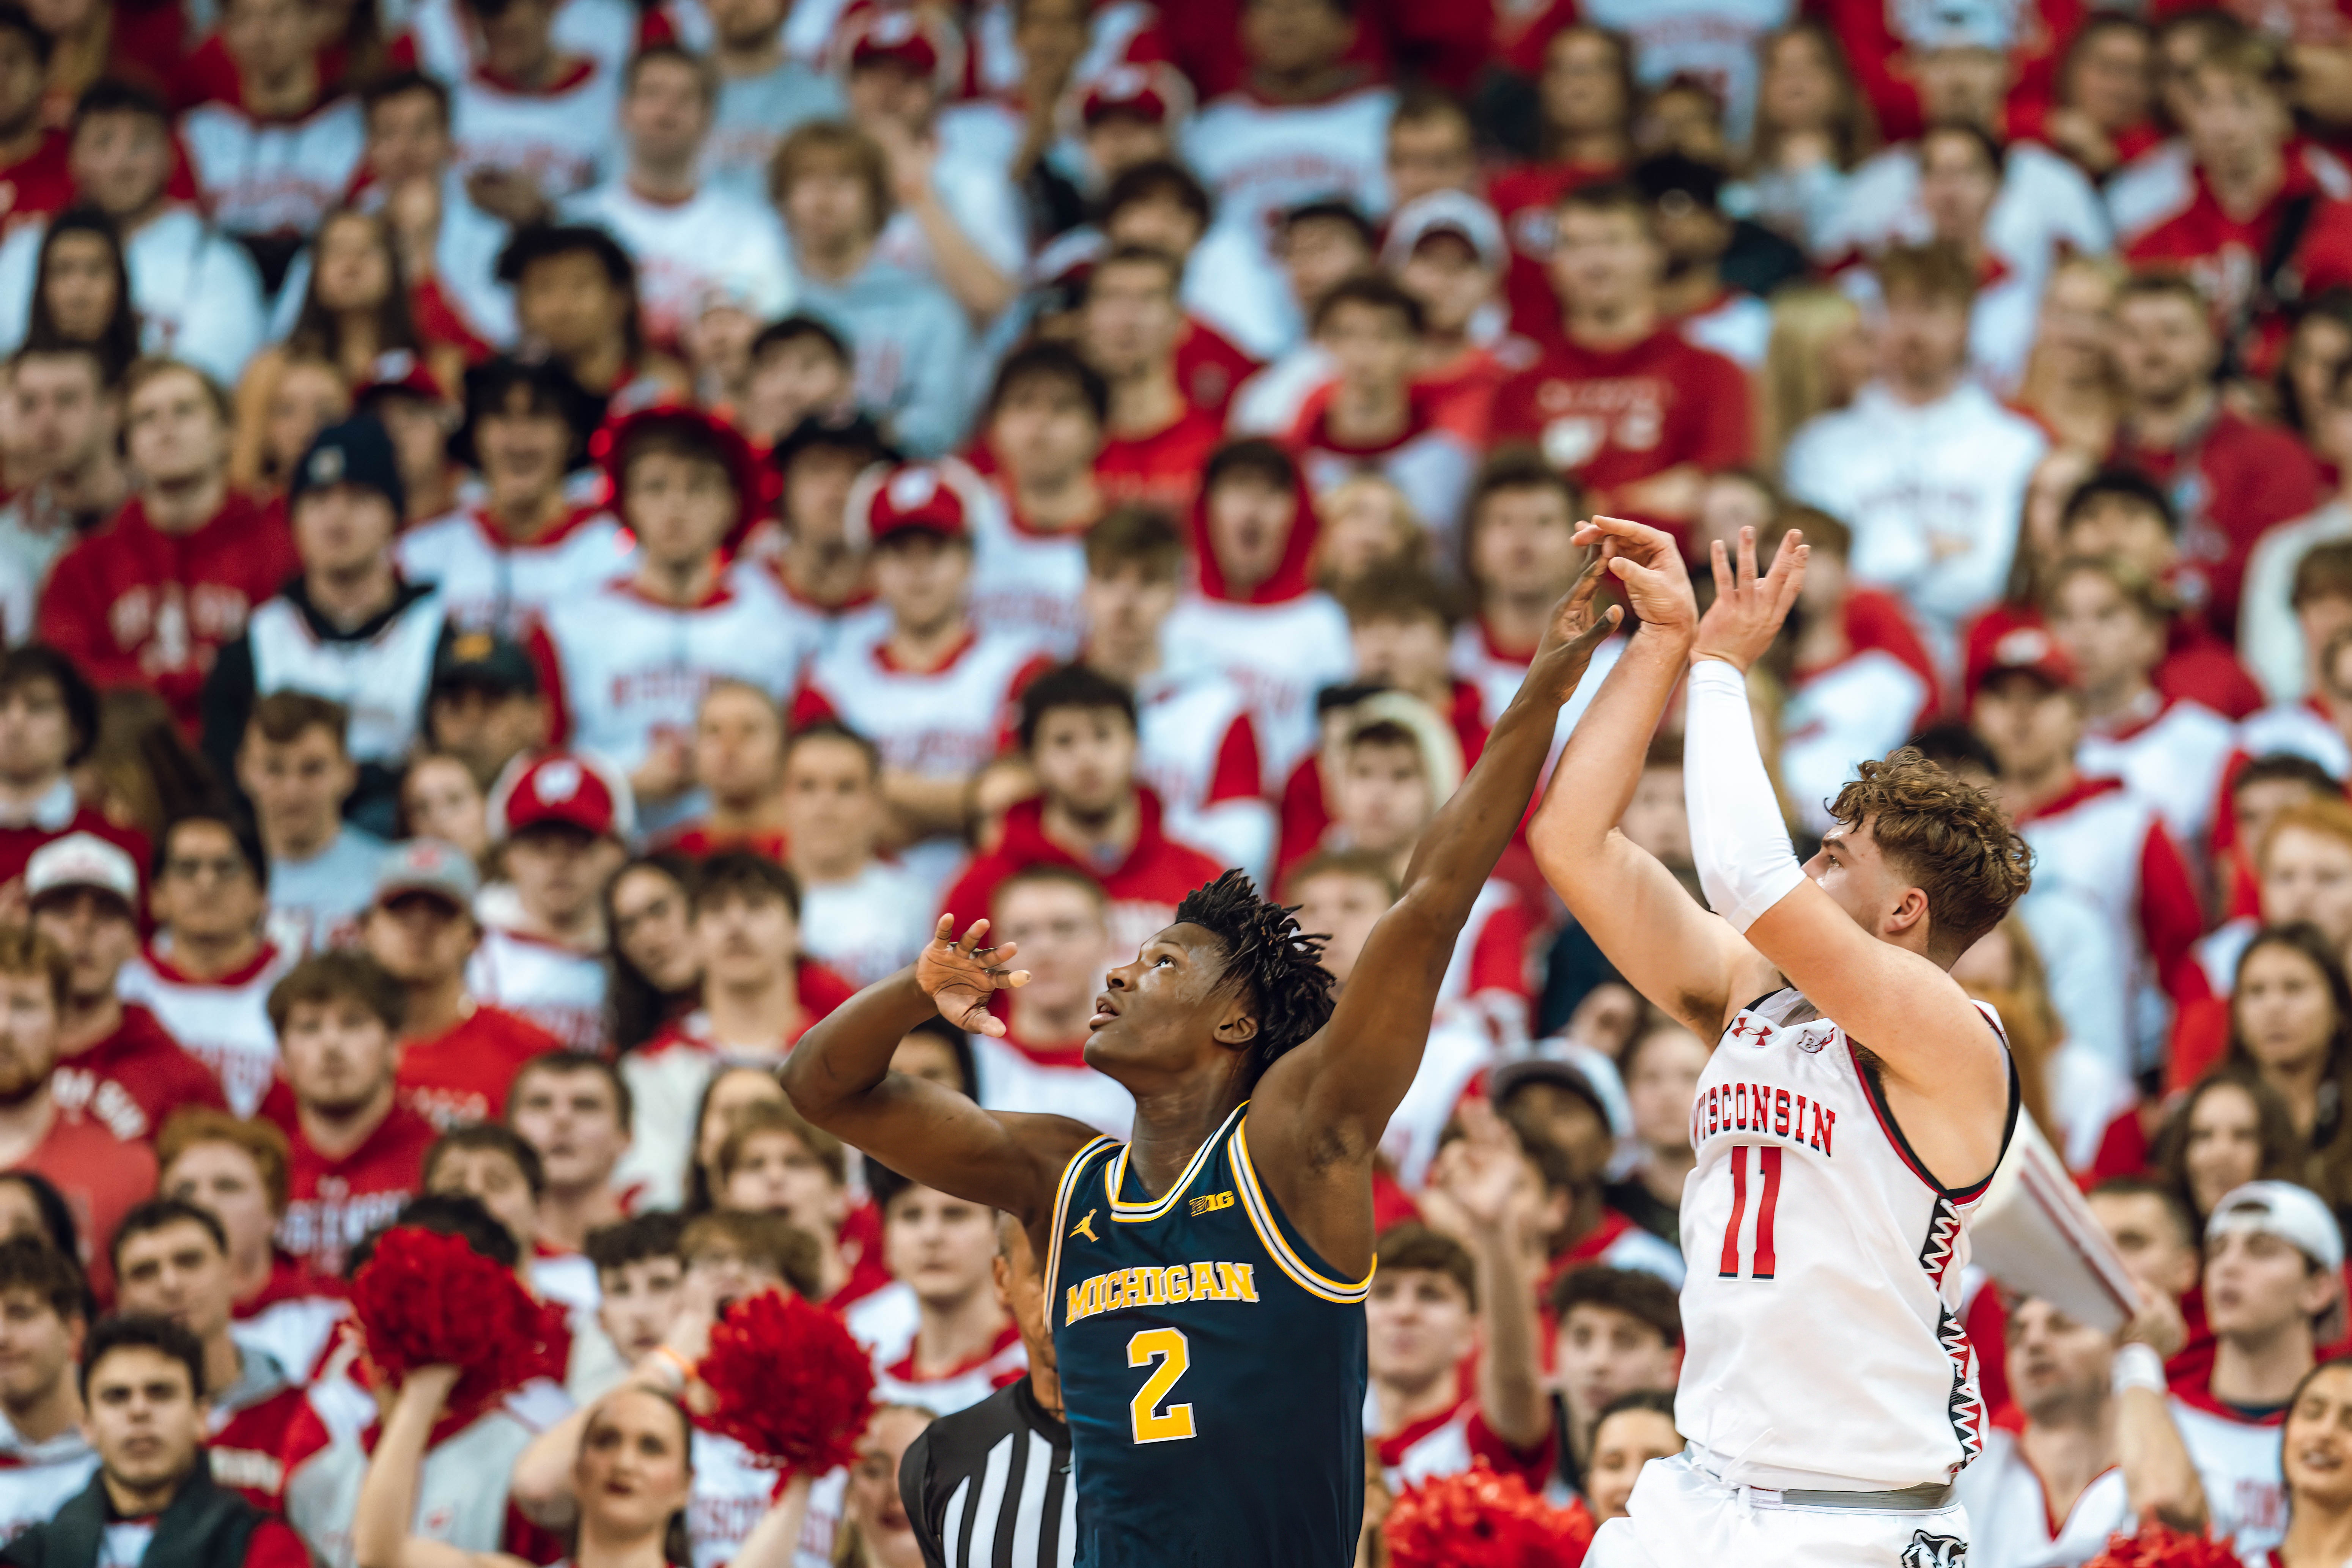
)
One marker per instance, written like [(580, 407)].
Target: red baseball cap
[(1146, 92), (2024, 650), (562, 786), (931, 497), (918, 41)]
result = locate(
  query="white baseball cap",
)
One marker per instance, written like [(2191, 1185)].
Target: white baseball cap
[(82, 860), (2292, 1214), (1958, 24)]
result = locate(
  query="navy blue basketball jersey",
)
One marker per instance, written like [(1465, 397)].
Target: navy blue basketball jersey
[(1211, 1365)]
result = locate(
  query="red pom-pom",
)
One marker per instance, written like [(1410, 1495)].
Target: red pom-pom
[(792, 1386), (2158, 1547), (1477, 1518), (425, 1299)]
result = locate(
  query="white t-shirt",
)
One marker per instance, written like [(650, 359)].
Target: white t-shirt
[(327, 892), (1933, 494), (715, 244)]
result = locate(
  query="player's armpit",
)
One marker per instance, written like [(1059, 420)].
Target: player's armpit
[(1932, 1043), (1666, 946)]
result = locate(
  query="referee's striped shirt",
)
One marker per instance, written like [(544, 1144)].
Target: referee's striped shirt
[(990, 1487)]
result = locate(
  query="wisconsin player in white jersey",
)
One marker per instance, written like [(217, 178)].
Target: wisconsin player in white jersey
[(1848, 1122)]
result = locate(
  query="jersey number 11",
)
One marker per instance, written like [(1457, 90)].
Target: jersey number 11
[(1767, 1201)]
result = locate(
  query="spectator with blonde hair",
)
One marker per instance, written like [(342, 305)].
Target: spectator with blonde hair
[(1368, 524), (1817, 359), (1812, 127), (2069, 385)]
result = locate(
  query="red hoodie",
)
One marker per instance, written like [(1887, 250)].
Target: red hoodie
[(132, 606), (1144, 887)]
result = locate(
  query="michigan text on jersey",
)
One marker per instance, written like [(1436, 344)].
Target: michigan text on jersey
[(1150, 1287)]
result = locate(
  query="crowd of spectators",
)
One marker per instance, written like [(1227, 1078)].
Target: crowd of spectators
[(544, 542)]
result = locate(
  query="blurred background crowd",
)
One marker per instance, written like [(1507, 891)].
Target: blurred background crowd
[(543, 543)]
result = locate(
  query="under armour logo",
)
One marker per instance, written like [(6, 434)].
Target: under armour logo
[(1927, 1550), (1085, 1227), (1742, 1028)]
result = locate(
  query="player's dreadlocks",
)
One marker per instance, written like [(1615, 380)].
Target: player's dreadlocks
[(1264, 949)]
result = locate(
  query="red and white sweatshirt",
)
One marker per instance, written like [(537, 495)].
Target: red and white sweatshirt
[(224, 1023), (133, 605)]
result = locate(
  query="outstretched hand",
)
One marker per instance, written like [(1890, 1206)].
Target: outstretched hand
[(960, 976), (1575, 630), (1648, 562), (1748, 609)]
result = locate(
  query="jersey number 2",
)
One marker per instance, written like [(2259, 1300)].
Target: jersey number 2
[(1767, 1203), (1168, 1347)]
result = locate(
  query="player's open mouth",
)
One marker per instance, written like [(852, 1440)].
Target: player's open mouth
[(1104, 1012)]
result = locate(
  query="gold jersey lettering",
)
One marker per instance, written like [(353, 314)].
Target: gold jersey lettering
[(1210, 1203), (1234, 1278), (1177, 1284)]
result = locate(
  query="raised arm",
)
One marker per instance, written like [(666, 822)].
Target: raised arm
[(1932, 1046), (839, 1076), (1339, 1088), (1669, 949), (381, 1536), (2159, 1477), (1483, 1178)]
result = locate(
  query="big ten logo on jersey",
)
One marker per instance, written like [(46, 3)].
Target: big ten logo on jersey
[(1210, 1202), (1152, 1286)]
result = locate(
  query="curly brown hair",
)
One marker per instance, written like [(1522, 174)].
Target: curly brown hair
[(1949, 835)]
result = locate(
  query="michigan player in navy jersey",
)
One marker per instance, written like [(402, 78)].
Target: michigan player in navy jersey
[(1207, 1278)]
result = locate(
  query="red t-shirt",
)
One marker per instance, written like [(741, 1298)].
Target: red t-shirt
[(1162, 469), (2232, 481), (102, 1178), (335, 1202), (699, 842), (2226, 254), (463, 1076), (1209, 367), (134, 1077), (1144, 887), (1615, 415)]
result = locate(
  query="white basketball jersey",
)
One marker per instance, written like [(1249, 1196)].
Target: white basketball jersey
[(488, 582), (382, 680), (224, 1023), (635, 669), (273, 176), (1822, 1343), (935, 723)]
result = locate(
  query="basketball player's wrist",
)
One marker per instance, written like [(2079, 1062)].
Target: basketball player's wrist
[(2136, 1366), (1701, 654)]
